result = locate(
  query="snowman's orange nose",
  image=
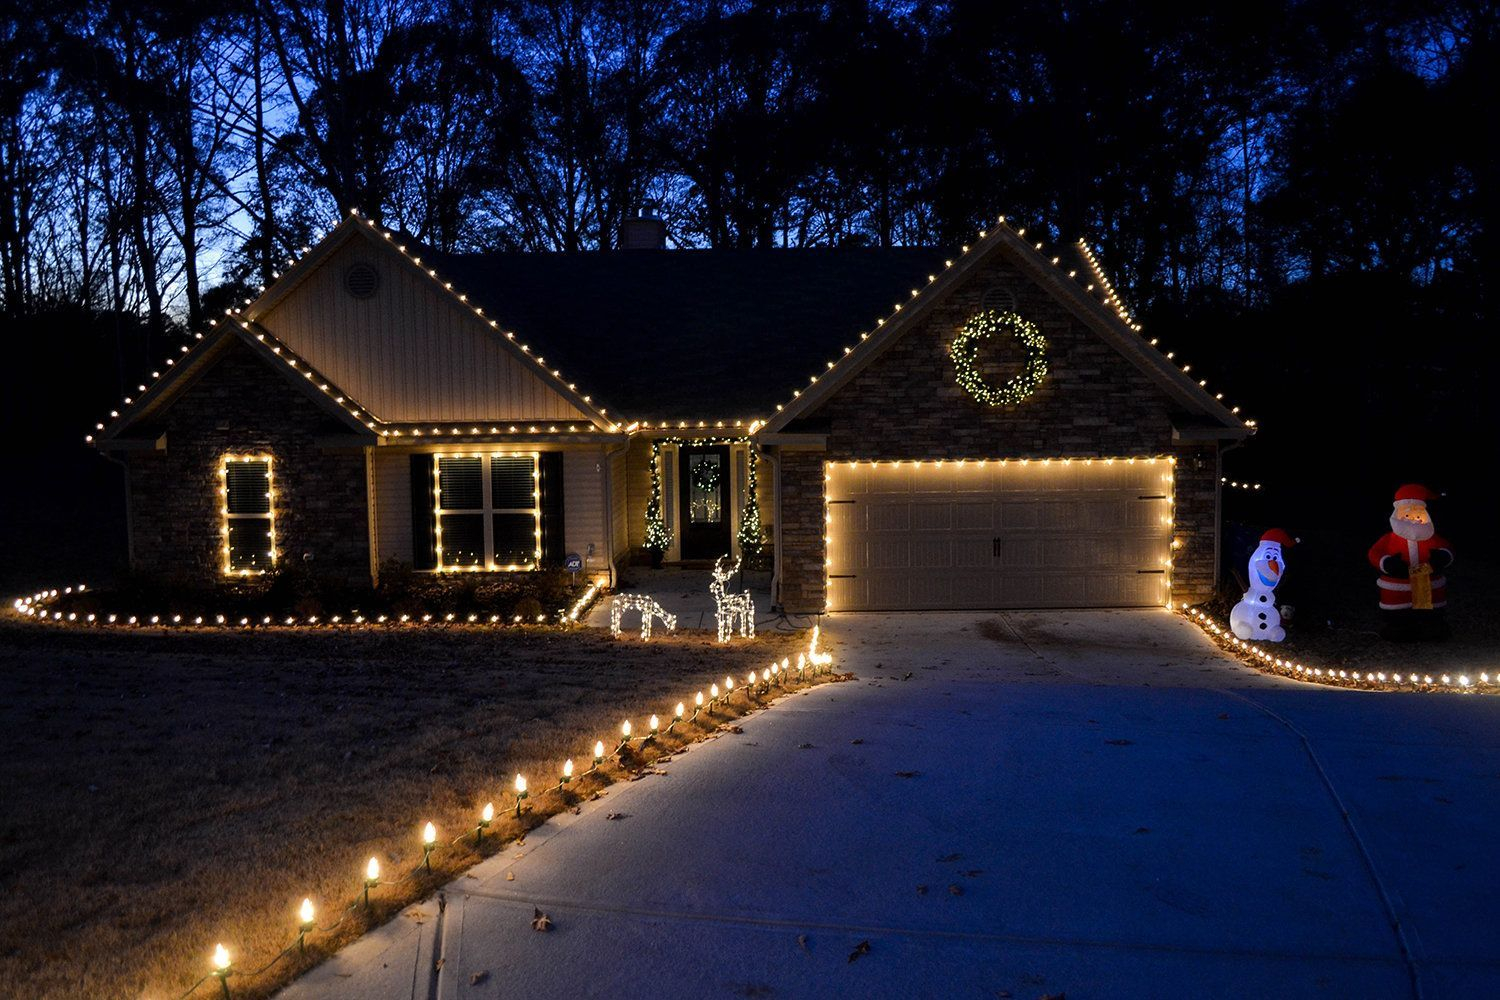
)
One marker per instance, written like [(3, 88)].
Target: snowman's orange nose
[(1275, 567)]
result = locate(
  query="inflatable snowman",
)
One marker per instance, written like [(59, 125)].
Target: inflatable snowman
[(1256, 617)]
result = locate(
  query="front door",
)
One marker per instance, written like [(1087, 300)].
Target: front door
[(704, 472)]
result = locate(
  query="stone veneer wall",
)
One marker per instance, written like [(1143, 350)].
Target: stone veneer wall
[(241, 405), (907, 404)]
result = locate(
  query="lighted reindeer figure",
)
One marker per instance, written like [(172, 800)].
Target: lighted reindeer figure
[(648, 608), (732, 610)]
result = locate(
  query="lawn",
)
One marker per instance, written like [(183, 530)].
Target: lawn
[(167, 791)]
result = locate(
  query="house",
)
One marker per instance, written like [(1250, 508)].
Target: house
[(904, 430)]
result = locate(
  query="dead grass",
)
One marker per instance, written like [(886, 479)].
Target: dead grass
[(165, 792)]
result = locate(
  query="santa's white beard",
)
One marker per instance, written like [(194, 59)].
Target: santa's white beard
[(1412, 531)]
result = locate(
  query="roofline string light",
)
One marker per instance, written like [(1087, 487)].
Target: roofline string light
[(812, 666), (35, 607), (1108, 298), (1484, 682)]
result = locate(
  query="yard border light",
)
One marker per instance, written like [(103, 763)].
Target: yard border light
[(429, 841), (305, 914), (222, 967), (372, 877), (521, 794), (486, 817), (567, 773)]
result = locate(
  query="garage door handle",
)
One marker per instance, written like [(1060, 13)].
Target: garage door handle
[(841, 501), (996, 548), (1153, 496), (1150, 571)]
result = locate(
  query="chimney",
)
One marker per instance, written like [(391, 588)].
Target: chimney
[(644, 232)]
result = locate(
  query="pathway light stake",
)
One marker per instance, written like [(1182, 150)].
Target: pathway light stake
[(750, 688), (429, 841), (520, 794), (486, 817), (713, 696), (655, 724), (625, 733), (567, 774), (697, 704), (677, 714), (598, 753), (221, 968), (304, 925), (372, 878)]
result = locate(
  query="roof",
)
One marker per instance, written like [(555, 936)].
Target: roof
[(668, 335)]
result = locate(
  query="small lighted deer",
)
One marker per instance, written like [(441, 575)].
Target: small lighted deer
[(733, 611), (648, 608)]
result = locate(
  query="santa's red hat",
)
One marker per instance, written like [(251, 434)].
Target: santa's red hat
[(1279, 537), (1415, 491)]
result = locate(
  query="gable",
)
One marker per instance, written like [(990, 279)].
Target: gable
[(907, 402), (1065, 289), (410, 351)]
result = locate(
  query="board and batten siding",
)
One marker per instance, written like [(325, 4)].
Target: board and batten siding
[(584, 514), (619, 506), (409, 352), (392, 499)]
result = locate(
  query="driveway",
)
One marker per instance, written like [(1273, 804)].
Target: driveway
[(1016, 804)]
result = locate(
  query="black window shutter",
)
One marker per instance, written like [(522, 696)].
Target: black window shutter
[(423, 516), (554, 542)]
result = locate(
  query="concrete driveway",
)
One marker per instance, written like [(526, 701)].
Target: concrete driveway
[(1017, 804)]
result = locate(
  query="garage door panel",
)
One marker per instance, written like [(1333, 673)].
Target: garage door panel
[(973, 514), (998, 535), (888, 516), (1016, 514)]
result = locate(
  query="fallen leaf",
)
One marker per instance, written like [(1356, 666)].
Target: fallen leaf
[(921, 890), (863, 948), (540, 921), (1120, 743), (1143, 829), (804, 746), (1223, 715), (1054, 996), (946, 858), (617, 816), (956, 890), (510, 876), (855, 742), (802, 943), (973, 873), (907, 774), (478, 978), (438, 965)]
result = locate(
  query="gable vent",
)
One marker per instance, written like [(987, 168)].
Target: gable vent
[(998, 298), (361, 281)]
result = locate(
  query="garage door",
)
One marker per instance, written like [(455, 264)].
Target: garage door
[(999, 534)]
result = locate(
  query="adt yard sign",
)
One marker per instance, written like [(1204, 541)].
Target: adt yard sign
[(573, 563)]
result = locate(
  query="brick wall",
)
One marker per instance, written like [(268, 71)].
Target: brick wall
[(908, 405), (241, 405)]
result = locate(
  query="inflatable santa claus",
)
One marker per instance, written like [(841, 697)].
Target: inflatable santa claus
[(1411, 559), (1256, 617)]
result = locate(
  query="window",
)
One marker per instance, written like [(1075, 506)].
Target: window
[(488, 512), (249, 528)]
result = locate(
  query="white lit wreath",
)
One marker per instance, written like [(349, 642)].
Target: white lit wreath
[(965, 350)]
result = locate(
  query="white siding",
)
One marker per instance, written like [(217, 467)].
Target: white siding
[(410, 352), (584, 511), (620, 503), (392, 498)]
